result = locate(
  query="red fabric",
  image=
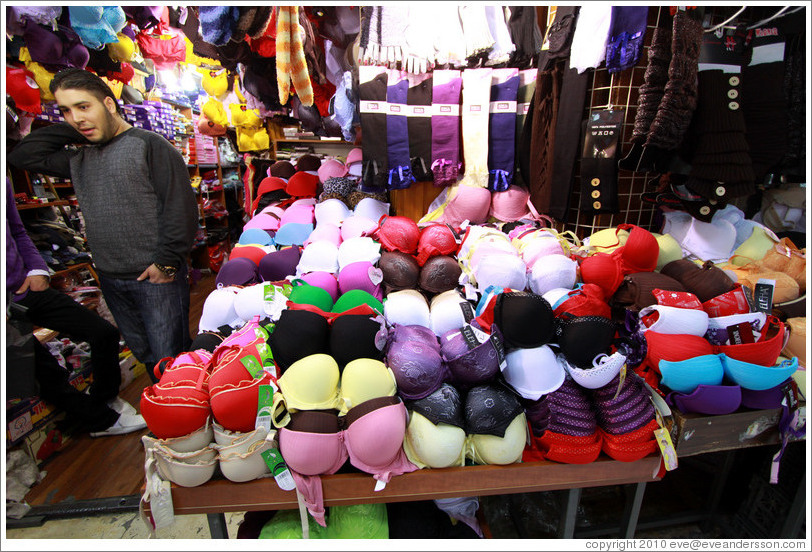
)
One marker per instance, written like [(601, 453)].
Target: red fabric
[(302, 184), (235, 407), (168, 417), (568, 449), (671, 347), (639, 253), (763, 352), (397, 233), (436, 239), (587, 301), (268, 184), (164, 53), (679, 299), (732, 302), (604, 271)]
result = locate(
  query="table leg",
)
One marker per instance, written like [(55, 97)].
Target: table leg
[(631, 512), (566, 526), (217, 526)]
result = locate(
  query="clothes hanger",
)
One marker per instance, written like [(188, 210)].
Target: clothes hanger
[(776, 15), (726, 21)]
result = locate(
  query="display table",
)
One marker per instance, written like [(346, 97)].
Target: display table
[(220, 495)]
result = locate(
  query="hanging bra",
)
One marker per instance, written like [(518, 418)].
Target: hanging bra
[(370, 435)]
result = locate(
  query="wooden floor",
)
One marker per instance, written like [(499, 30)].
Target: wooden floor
[(103, 467)]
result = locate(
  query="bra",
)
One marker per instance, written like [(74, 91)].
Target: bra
[(684, 376), (243, 117), (407, 307), (263, 221), (417, 365), (358, 249), (603, 370), (436, 239), (533, 372), (370, 435), (717, 326), (712, 400), (215, 112), (400, 270), (439, 274), (673, 320), (472, 357), (639, 253), (361, 275), (502, 270), (525, 319), (435, 436), (397, 233), (584, 300), (324, 280), (252, 252), (298, 334), (255, 236), (319, 256), (279, 265), (237, 272), (214, 81), (303, 214), (583, 338), (356, 226), (218, 309), (371, 208), (332, 211), (705, 282), (356, 336), (449, 311)]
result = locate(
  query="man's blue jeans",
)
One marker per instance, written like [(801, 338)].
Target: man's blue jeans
[(153, 318)]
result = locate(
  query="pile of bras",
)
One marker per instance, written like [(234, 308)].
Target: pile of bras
[(393, 347)]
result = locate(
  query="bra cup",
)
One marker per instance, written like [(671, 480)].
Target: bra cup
[(480, 364), (540, 247), (375, 439), (602, 270), (312, 453), (583, 338), (552, 272), (490, 449), (640, 252), (311, 383), (364, 379), (674, 320), (533, 372), (447, 312), (503, 270), (417, 366), (407, 307), (429, 445)]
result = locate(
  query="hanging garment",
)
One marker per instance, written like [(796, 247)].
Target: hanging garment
[(652, 89), (445, 127), (525, 34), (397, 132), (503, 47), (372, 91), (626, 37), (475, 103), (524, 97), (589, 40), (501, 135), (291, 66), (418, 98)]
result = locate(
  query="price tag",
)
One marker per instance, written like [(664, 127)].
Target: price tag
[(666, 448), (621, 379), (253, 366), (264, 407), (281, 473), (266, 355)]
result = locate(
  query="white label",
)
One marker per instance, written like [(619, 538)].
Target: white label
[(367, 106), (503, 107), (379, 486), (419, 110), (163, 511), (397, 109), (523, 108), (452, 110), (375, 275)]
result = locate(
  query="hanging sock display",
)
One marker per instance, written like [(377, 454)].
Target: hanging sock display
[(418, 99), (626, 37), (524, 97), (372, 92), (397, 132), (501, 134), (589, 39), (475, 106), (651, 91), (598, 163), (291, 66), (445, 126), (503, 46)]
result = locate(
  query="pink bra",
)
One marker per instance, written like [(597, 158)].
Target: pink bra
[(314, 443)]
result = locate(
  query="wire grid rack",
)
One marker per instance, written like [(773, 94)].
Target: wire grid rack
[(617, 91)]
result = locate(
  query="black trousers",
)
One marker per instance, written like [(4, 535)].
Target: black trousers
[(57, 311)]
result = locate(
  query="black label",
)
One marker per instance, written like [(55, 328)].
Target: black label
[(467, 311), (470, 337), (500, 348), (763, 296)]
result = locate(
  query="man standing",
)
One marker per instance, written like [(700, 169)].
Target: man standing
[(101, 411), (138, 205)]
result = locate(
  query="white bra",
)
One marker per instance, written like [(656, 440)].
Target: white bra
[(675, 320)]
